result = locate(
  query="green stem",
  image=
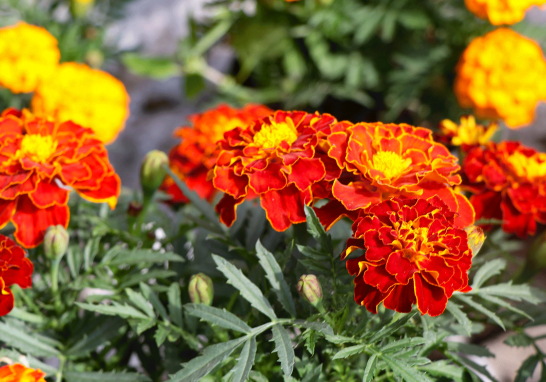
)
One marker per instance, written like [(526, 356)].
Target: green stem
[(55, 275), (59, 375)]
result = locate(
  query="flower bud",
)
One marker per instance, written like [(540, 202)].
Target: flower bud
[(476, 238), (80, 8), (152, 172), (201, 289), (55, 242), (309, 288)]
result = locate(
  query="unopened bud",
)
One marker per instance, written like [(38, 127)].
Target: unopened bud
[(309, 288), (152, 172), (476, 238), (201, 289), (55, 242), (80, 8)]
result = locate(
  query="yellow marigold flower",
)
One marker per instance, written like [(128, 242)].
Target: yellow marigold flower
[(85, 96), (501, 12), (28, 55), (501, 75), (468, 133)]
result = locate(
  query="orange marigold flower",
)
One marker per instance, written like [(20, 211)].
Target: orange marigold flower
[(414, 254), (509, 183), (280, 158), (42, 161), (20, 373), (192, 159), (86, 96), (468, 133), (501, 12), (28, 55), (15, 268), (383, 161), (501, 75)]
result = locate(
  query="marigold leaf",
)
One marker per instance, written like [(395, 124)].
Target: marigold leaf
[(104, 330), (248, 289), (402, 344), (460, 316), (392, 327), (175, 304), (74, 376), (274, 274), (505, 304), (515, 292), (161, 334), (154, 300), (122, 256), (33, 344), (480, 308), (488, 270), (245, 361), (518, 340), (370, 368), (527, 368), (403, 370), (469, 349), (219, 317), (472, 365), (283, 348), (352, 350), (139, 300), (444, 369), (322, 327), (124, 311), (137, 278), (317, 231), (313, 375)]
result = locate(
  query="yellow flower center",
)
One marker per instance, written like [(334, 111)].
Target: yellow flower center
[(413, 241), (224, 124), (390, 163), (528, 167), (36, 147), (271, 136)]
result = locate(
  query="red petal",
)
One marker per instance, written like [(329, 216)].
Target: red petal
[(31, 222), (466, 215), (226, 180), (431, 299), (7, 209), (109, 190), (305, 172), (332, 212), (367, 295), (379, 278), (401, 298), (271, 178), (48, 194), (6, 299), (227, 208), (355, 195), (400, 267), (285, 207), (516, 222)]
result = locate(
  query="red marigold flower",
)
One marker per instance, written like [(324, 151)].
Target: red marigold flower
[(383, 161), (18, 372), (280, 158), (42, 160), (192, 159), (509, 183), (414, 254), (15, 268)]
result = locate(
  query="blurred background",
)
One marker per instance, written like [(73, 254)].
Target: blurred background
[(360, 60)]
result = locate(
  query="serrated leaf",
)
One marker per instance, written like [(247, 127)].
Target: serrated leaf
[(154, 300), (245, 361), (161, 335), (246, 287), (480, 308), (312, 253), (137, 278), (444, 369), (175, 304), (274, 274), (219, 317), (505, 304), (138, 256), (98, 336), (515, 292), (33, 362), (527, 368), (283, 348), (460, 316), (33, 344), (402, 344), (351, 350), (322, 327), (469, 349), (202, 365), (518, 340), (473, 366), (256, 376), (488, 270), (74, 376), (23, 315), (337, 339), (313, 375), (370, 368), (142, 326), (140, 302), (124, 311), (392, 327), (317, 231), (403, 370)]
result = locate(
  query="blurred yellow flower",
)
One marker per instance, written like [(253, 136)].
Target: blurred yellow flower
[(28, 55), (501, 75), (91, 98), (501, 12), (468, 133)]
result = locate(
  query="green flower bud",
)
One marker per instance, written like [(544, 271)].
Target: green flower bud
[(201, 289), (55, 242), (80, 8), (309, 288), (152, 172)]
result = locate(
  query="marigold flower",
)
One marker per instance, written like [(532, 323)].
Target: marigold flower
[(192, 159), (414, 254), (28, 55), (501, 12), (501, 75), (42, 161), (279, 158), (468, 133), (85, 96), (382, 161), (15, 268), (20, 373), (509, 183)]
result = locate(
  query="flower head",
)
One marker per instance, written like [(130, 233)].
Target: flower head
[(28, 55), (382, 161), (85, 96), (279, 158), (20, 373), (509, 183), (15, 268), (196, 154), (501, 12), (468, 133), (500, 76), (42, 160), (414, 254)]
